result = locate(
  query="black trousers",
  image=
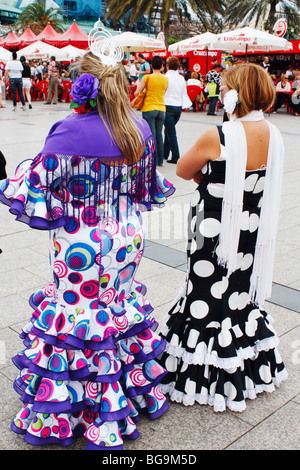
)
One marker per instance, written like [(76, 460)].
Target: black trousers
[(280, 99)]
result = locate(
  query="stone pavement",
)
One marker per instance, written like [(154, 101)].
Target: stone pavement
[(269, 422)]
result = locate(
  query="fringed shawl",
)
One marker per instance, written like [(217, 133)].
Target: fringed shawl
[(232, 206), (80, 170)]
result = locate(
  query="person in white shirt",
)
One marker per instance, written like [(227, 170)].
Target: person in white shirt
[(1, 86), (289, 71), (13, 72), (266, 64), (38, 72), (175, 99), (194, 80), (133, 72), (283, 90)]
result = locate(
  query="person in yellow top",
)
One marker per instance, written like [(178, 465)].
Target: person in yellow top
[(154, 109)]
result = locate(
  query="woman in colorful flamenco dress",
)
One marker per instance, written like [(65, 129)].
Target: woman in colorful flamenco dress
[(89, 364), (221, 347)]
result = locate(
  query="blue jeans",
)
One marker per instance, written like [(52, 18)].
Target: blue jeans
[(212, 104), (16, 84), (173, 114), (156, 121)]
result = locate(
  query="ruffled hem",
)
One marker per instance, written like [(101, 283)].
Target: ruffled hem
[(218, 365), (34, 197), (218, 402), (39, 428), (224, 348), (88, 372)]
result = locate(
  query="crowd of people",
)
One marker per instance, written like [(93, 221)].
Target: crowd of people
[(23, 78), (35, 72), (165, 99)]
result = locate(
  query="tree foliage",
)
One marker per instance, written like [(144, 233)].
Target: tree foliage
[(37, 16), (244, 11), (162, 8)]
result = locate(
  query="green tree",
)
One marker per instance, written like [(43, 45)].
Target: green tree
[(37, 16), (243, 11), (162, 8)]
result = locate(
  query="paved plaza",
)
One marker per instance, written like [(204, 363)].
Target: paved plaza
[(269, 422)]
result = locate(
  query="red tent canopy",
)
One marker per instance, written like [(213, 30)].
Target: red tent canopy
[(12, 41), (75, 36), (50, 36), (28, 37)]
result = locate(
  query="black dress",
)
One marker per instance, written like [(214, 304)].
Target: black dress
[(220, 349)]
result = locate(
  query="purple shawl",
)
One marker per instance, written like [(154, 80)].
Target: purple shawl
[(85, 135)]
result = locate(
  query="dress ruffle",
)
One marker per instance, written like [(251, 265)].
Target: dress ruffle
[(219, 364), (88, 372)]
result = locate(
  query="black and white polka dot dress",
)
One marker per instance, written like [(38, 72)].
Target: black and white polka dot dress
[(220, 349)]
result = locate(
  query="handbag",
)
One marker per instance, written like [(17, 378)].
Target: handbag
[(138, 101), (200, 97)]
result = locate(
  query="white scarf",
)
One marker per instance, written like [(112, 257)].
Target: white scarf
[(232, 206)]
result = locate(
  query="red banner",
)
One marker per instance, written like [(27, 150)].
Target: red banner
[(198, 61)]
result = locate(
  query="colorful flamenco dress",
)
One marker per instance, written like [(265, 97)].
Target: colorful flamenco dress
[(220, 348), (89, 364)]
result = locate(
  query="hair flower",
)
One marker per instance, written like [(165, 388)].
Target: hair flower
[(84, 91), (230, 101)]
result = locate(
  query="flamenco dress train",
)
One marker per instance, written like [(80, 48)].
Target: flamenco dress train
[(89, 364), (221, 349)]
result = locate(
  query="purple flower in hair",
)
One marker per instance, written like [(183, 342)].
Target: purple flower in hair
[(84, 88)]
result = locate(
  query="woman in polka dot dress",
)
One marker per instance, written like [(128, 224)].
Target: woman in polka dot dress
[(221, 348), (89, 364)]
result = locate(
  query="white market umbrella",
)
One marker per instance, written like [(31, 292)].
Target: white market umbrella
[(132, 42), (71, 52), (249, 39), (5, 55), (40, 50), (200, 41)]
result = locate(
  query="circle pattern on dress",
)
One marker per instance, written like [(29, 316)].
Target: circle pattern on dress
[(210, 227), (203, 268), (80, 257)]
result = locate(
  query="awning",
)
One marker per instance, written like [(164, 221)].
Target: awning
[(75, 36), (50, 36)]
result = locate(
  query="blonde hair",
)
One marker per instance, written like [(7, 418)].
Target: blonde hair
[(114, 106), (254, 86)]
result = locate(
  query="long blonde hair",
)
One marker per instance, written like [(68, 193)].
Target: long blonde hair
[(114, 106)]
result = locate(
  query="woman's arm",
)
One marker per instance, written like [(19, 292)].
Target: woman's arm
[(140, 87), (207, 147)]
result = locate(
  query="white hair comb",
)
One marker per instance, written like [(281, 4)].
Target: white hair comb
[(100, 45)]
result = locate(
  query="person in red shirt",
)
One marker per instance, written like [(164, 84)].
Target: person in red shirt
[(53, 74)]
